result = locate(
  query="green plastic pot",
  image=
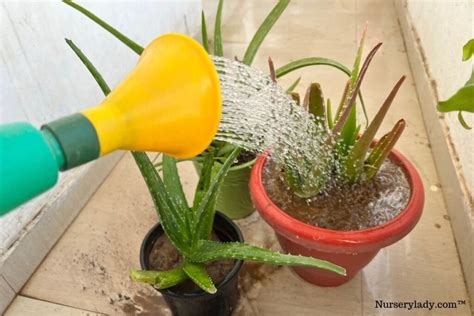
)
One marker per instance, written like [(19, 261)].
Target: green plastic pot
[(234, 195)]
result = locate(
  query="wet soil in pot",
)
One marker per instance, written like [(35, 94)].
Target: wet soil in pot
[(164, 256), (344, 207)]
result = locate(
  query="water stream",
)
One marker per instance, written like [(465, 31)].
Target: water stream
[(259, 115)]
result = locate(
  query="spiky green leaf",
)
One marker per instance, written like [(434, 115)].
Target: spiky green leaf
[(199, 275), (346, 111), (263, 30), (355, 162), (293, 85), (218, 48), (382, 149), (205, 40), (329, 114), (210, 250), (159, 279), (206, 210), (204, 178), (314, 103), (121, 37)]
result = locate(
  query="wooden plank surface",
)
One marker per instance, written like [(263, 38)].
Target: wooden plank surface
[(88, 268), (25, 306)]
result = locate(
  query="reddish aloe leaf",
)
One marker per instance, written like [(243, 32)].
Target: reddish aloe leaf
[(355, 162), (382, 149), (350, 103), (314, 102), (272, 69)]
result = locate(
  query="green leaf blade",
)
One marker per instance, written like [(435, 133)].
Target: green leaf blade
[(121, 37), (311, 61), (263, 30), (205, 212), (210, 250), (218, 48), (205, 40), (159, 279), (199, 275)]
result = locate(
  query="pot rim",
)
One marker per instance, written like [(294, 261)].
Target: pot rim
[(383, 235), (232, 273)]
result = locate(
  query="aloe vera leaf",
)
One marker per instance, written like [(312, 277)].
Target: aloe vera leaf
[(311, 61), (210, 250), (263, 30), (271, 66), (314, 61), (293, 85), (296, 97), (173, 221), (206, 210), (172, 181), (462, 121), (357, 156), (121, 37), (383, 150), (159, 279), (173, 185), (360, 50), (344, 98), (205, 40), (204, 179), (468, 50), (199, 275), (329, 114), (226, 149), (218, 49), (350, 103), (314, 102), (92, 70)]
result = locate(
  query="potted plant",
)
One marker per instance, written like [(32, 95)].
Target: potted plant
[(234, 196), (351, 199), (193, 256)]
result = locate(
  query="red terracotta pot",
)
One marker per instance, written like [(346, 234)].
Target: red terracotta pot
[(352, 250)]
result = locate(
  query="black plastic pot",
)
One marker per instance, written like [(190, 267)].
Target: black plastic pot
[(201, 303)]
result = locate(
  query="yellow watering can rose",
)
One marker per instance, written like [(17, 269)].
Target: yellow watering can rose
[(170, 102)]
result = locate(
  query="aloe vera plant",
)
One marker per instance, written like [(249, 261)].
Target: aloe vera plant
[(189, 227), (352, 158)]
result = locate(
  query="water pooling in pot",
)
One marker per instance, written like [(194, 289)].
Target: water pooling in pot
[(259, 115)]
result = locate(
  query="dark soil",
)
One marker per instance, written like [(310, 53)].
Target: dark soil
[(164, 256), (344, 207)]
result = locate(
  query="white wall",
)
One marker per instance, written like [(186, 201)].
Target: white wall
[(41, 79), (443, 27)]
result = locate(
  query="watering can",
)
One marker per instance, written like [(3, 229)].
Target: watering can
[(170, 102)]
